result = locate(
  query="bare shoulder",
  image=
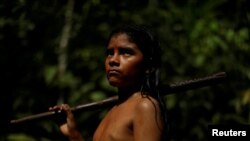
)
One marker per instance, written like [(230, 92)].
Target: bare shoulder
[(146, 104), (148, 117)]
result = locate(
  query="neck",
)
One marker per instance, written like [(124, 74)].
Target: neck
[(125, 93)]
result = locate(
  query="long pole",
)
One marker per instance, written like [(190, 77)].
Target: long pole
[(167, 89)]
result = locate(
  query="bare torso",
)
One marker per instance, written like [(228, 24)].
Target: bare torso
[(131, 119)]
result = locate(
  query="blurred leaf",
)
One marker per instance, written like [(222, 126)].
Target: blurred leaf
[(20, 137), (246, 97), (97, 95)]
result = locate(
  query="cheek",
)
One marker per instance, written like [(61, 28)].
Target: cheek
[(134, 69), (106, 64)]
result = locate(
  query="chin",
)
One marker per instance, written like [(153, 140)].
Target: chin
[(120, 85), (115, 84)]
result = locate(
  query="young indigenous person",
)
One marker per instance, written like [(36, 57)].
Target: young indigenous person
[(132, 66)]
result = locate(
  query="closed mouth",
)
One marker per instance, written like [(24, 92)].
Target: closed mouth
[(113, 72)]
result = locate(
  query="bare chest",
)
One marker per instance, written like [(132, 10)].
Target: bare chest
[(116, 126)]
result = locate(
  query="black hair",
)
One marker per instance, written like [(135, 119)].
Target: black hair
[(149, 45)]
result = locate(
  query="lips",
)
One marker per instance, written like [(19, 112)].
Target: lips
[(113, 72)]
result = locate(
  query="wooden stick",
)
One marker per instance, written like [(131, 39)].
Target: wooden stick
[(167, 89)]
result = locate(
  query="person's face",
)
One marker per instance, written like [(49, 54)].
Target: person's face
[(124, 62)]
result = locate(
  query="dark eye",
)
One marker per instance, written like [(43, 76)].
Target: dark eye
[(109, 52), (126, 51)]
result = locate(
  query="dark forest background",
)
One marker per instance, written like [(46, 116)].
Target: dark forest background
[(52, 52)]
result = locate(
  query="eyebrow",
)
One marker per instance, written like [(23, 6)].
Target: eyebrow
[(125, 46), (122, 48)]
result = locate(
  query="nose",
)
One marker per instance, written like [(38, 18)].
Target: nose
[(114, 60)]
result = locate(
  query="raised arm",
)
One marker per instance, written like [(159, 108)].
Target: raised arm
[(69, 127)]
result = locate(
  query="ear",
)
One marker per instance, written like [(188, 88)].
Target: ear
[(149, 66)]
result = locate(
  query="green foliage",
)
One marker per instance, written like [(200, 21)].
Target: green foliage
[(198, 38), (19, 137)]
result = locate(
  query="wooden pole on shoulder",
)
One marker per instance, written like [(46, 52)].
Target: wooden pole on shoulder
[(167, 89)]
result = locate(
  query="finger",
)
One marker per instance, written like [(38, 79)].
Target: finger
[(66, 108), (55, 108), (63, 111)]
